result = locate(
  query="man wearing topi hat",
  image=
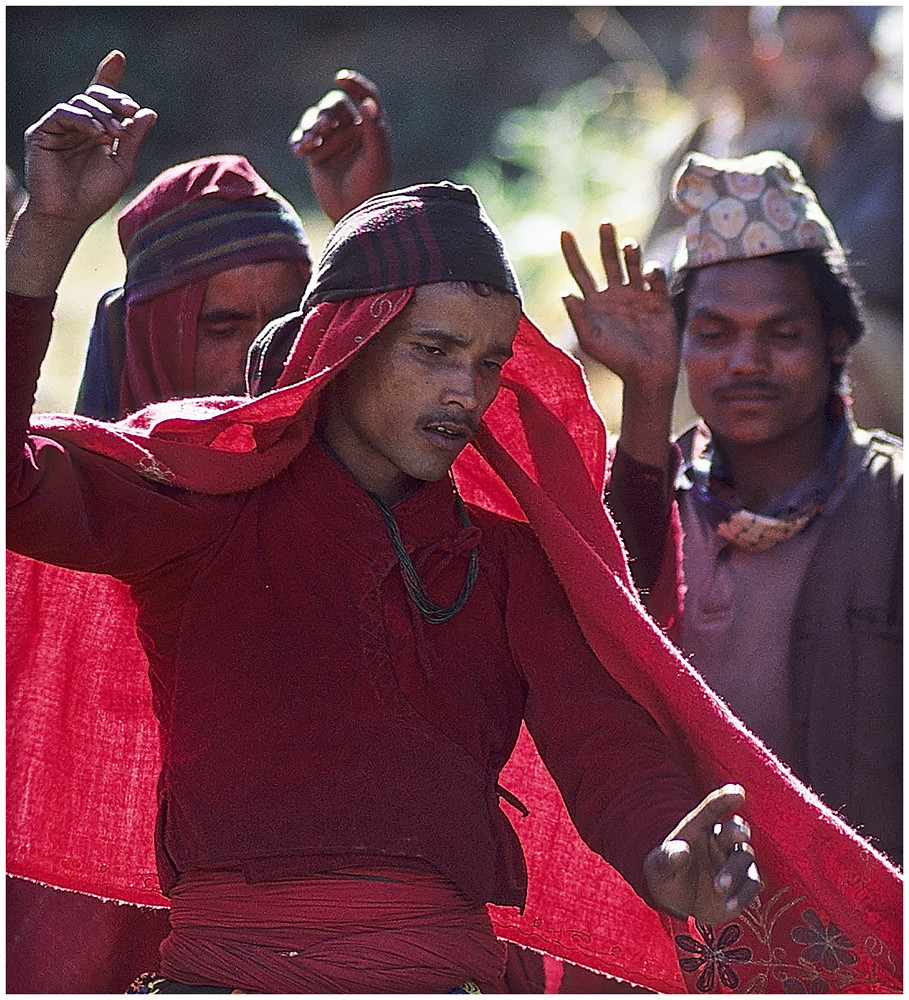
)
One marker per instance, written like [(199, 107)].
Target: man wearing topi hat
[(789, 515)]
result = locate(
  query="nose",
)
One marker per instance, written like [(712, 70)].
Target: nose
[(749, 354), (463, 387)]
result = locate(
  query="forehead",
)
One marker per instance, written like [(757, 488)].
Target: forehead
[(483, 319), (246, 284), (762, 286)]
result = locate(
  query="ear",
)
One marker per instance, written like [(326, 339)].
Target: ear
[(839, 345)]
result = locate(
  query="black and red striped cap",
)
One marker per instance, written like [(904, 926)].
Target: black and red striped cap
[(416, 236)]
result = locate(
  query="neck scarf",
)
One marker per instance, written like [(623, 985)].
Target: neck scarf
[(830, 910), (191, 222), (707, 475)]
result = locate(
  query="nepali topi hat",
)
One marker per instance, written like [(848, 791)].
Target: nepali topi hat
[(753, 206)]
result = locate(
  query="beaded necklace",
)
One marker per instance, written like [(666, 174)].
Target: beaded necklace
[(431, 612)]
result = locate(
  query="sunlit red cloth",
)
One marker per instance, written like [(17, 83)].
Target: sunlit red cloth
[(831, 910)]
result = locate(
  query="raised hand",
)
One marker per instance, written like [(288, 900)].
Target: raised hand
[(81, 156), (705, 868), (628, 325), (346, 143)]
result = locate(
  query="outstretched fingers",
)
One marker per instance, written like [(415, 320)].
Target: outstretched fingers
[(577, 266)]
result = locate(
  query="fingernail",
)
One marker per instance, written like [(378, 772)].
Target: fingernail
[(724, 881)]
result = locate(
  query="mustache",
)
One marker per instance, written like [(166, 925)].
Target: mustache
[(748, 385)]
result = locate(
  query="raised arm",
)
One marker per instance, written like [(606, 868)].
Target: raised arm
[(80, 159), (68, 505), (346, 143), (629, 327)]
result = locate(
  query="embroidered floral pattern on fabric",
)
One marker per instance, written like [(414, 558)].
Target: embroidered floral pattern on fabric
[(715, 954), (797, 986), (382, 305), (826, 944), (780, 945)]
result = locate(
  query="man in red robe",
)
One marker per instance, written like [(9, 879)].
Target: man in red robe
[(342, 649), (294, 790)]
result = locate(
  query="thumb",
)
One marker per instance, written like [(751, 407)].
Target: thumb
[(576, 313)]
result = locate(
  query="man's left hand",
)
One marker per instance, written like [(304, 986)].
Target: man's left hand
[(705, 868)]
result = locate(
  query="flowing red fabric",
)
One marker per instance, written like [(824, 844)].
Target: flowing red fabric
[(829, 917), (160, 363)]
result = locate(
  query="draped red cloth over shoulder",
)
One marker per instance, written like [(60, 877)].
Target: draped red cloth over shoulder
[(82, 753)]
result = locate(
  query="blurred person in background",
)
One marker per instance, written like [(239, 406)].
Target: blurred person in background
[(853, 160), (790, 516), (212, 254), (732, 102)]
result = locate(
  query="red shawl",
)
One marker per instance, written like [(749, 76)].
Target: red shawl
[(82, 809)]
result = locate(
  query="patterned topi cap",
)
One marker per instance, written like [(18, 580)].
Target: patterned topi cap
[(754, 206)]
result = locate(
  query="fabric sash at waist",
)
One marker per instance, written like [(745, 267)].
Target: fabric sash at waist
[(359, 930)]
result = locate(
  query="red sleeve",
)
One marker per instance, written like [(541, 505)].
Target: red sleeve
[(641, 500), (71, 507), (621, 781)]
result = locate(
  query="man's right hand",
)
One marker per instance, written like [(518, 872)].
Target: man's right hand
[(81, 156), (629, 326), (80, 159)]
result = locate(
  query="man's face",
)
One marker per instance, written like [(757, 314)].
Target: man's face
[(823, 64), (413, 397), (237, 304), (756, 357)]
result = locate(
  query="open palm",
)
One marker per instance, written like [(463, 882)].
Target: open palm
[(628, 325)]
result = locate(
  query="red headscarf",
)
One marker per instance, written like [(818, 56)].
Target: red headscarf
[(193, 221)]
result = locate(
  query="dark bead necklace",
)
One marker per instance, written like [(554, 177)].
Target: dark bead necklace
[(431, 612)]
